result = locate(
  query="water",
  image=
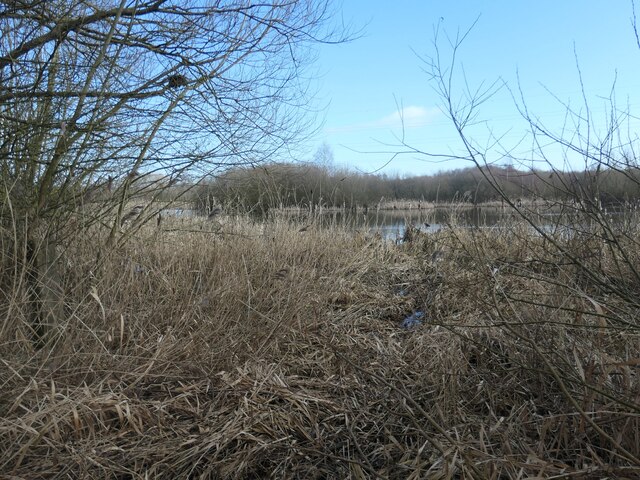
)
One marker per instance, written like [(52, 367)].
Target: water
[(391, 224), (179, 212)]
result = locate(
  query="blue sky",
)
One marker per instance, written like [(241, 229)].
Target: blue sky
[(365, 83)]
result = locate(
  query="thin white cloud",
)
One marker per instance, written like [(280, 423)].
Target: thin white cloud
[(408, 117), (412, 116)]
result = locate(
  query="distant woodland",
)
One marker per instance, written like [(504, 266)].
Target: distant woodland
[(280, 185)]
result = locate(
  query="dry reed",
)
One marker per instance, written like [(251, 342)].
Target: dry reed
[(260, 351)]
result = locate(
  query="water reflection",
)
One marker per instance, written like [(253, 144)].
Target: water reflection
[(391, 224)]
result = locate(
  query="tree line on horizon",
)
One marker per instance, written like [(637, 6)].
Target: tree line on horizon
[(285, 185)]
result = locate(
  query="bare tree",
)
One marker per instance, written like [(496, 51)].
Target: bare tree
[(576, 260), (108, 100), (602, 150)]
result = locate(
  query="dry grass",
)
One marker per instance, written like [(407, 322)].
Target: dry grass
[(261, 351)]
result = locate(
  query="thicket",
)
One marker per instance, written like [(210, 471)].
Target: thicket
[(278, 185), (112, 104)]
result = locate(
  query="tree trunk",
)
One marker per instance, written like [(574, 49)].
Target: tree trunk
[(44, 289)]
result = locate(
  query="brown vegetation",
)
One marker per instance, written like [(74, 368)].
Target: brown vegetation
[(264, 351), (279, 185)]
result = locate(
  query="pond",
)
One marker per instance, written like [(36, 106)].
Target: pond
[(391, 224)]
